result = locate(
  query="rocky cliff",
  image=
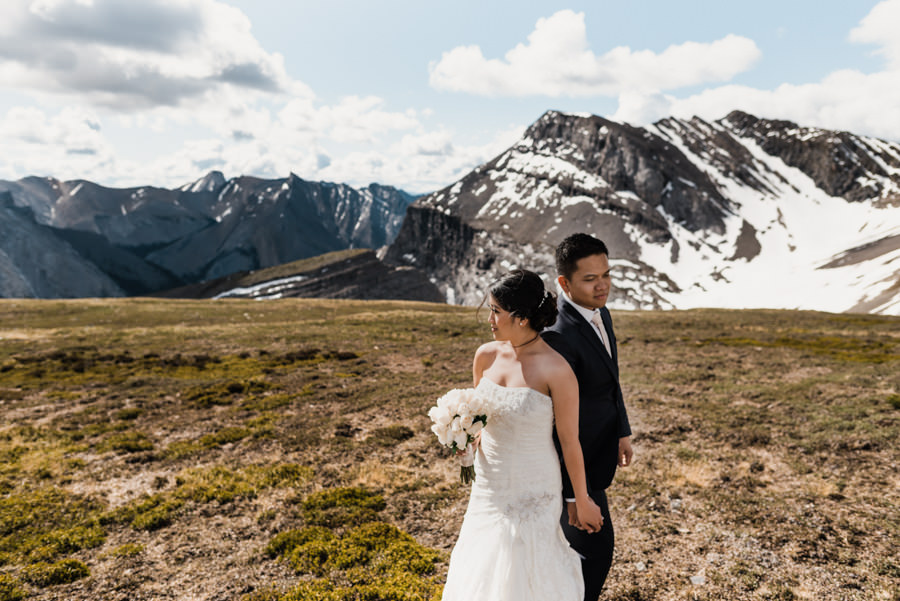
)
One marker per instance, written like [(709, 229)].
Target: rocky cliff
[(740, 212)]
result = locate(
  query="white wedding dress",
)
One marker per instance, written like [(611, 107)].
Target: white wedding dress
[(511, 546)]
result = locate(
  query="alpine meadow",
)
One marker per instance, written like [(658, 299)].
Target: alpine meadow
[(280, 450)]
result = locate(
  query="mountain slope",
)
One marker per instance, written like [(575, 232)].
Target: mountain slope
[(355, 273), (36, 263), (741, 212)]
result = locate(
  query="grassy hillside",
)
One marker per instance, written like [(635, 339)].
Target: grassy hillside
[(261, 451)]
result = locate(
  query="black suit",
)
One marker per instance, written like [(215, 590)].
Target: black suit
[(602, 420)]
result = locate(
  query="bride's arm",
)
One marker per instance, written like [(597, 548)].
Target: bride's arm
[(564, 392), (484, 356)]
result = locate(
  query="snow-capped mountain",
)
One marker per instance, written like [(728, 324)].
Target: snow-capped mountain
[(148, 239), (741, 212)]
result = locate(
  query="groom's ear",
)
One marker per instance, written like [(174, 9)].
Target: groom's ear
[(563, 283)]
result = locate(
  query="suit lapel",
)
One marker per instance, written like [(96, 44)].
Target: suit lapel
[(586, 330), (607, 323)]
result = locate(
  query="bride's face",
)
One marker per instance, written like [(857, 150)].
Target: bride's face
[(502, 321)]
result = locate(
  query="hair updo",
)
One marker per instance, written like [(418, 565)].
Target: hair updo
[(522, 293)]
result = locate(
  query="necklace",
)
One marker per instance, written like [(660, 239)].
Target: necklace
[(528, 342)]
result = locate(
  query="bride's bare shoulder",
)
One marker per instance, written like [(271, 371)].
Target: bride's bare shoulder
[(488, 350), (555, 364)]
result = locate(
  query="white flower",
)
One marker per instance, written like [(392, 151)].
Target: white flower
[(439, 415), (441, 432), (475, 428), (461, 439), (465, 421)]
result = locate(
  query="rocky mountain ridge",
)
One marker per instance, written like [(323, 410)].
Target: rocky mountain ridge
[(739, 212), (148, 239)]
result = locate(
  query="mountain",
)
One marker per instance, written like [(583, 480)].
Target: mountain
[(355, 273), (261, 223), (36, 263), (738, 212), (147, 239)]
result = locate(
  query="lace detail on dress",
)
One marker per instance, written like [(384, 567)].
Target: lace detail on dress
[(503, 400), (533, 508)]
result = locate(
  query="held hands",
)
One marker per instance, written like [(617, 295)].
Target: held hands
[(585, 516)]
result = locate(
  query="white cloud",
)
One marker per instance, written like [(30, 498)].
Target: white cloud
[(863, 103), (557, 61), (879, 27), (352, 119), (132, 55), (39, 144)]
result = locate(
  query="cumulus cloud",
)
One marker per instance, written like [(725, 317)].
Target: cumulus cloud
[(352, 119), (557, 61), (863, 103), (38, 143), (879, 27), (132, 55)]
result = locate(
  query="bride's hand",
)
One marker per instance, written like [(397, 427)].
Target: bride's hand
[(590, 518), (572, 511)]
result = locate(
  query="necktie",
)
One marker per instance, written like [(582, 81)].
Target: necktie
[(597, 320)]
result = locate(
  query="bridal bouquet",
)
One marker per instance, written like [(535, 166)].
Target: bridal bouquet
[(458, 417)]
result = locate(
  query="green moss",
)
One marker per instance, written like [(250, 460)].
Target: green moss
[(841, 348), (225, 393), (342, 507), (129, 413), (221, 484), (155, 512), (10, 588), (61, 572), (126, 442), (391, 435), (376, 546), (284, 543), (127, 550), (394, 587), (46, 523)]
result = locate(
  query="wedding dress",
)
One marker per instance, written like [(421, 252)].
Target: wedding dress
[(511, 546)]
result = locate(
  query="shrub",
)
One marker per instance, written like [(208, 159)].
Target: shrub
[(62, 572), (284, 543), (126, 442), (10, 589), (127, 550), (336, 507)]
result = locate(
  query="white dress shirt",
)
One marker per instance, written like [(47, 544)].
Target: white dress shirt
[(588, 315)]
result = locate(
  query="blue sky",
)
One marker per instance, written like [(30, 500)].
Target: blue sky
[(408, 93)]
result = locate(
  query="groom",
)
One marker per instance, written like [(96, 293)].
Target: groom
[(583, 334)]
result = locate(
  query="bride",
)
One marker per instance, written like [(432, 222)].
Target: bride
[(511, 546)]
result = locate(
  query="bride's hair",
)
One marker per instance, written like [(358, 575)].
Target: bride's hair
[(522, 293)]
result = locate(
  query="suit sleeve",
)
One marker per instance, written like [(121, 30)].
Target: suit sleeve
[(624, 426)]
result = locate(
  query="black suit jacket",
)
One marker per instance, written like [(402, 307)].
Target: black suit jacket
[(602, 418)]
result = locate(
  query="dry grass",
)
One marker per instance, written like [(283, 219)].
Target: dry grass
[(767, 464)]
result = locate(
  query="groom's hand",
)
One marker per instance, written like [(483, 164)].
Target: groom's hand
[(572, 510), (625, 452)]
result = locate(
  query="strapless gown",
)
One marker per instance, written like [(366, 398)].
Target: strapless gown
[(511, 546)]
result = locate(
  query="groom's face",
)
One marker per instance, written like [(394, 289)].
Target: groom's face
[(590, 282)]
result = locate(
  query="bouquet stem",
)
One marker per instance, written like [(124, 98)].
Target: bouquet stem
[(467, 465)]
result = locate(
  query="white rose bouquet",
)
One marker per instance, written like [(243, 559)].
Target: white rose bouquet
[(459, 417)]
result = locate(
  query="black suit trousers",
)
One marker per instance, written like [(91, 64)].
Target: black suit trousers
[(596, 549)]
